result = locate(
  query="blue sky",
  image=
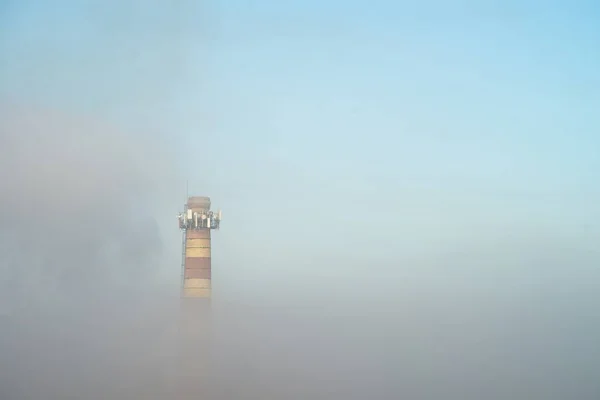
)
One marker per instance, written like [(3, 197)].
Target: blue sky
[(355, 132)]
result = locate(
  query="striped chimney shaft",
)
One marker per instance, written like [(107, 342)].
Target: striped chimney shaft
[(197, 222)]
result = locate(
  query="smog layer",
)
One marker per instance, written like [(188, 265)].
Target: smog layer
[(81, 255), (410, 211), (84, 315)]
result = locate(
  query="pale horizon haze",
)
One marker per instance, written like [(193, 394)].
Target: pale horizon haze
[(426, 170)]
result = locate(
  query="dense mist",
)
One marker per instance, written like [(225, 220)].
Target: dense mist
[(85, 315), (81, 254), (414, 223)]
